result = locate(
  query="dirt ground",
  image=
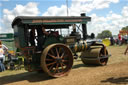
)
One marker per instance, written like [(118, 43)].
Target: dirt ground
[(115, 73)]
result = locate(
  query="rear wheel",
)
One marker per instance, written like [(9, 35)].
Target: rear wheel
[(57, 60)]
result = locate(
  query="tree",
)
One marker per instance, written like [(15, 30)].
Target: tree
[(104, 34), (99, 35), (125, 28)]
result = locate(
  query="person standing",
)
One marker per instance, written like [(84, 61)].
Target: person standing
[(112, 40), (3, 50), (120, 39)]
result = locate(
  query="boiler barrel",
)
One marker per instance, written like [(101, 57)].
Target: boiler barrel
[(78, 47)]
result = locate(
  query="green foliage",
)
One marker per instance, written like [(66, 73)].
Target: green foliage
[(125, 28), (104, 34), (99, 35)]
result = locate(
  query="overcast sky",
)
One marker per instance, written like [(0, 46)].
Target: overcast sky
[(106, 14)]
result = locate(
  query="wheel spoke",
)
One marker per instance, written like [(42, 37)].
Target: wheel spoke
[(49, 59), (57, 66), (59, 50), (51, 67), (51, 63), (62, 66), (52, 56), (52, 51), (57, 53), (62, 55), (64, 60)]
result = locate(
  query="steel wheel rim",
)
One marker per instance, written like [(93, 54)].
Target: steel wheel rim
[(57, 60)]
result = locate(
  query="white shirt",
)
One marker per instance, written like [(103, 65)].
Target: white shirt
[(3, 50), (1, 53)]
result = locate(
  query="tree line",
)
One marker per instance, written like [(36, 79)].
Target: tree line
[(108, 33)]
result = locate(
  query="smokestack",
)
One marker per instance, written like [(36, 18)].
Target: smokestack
[(84, 28)]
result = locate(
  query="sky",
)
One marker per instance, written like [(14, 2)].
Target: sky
[(105, 14)]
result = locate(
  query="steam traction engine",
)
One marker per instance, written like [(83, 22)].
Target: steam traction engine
[(45, 49)]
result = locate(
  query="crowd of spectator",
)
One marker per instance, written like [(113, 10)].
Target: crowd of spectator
[(120, 40)]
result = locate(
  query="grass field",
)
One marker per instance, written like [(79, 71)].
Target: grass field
[(79, 70)]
